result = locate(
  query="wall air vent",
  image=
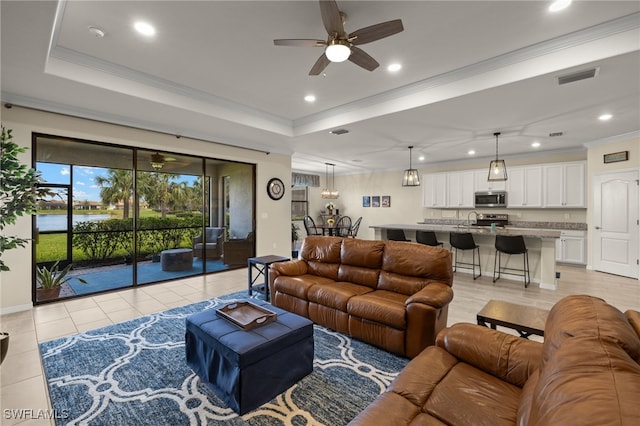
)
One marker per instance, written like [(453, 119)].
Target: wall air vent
[(577, 76), (339, 131)]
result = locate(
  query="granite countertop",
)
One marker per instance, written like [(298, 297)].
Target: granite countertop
[(574, 226), (477, 230)]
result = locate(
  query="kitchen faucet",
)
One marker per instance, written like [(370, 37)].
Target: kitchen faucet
[(469, 217)]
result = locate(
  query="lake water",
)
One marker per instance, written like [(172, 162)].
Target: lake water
[(58, 222)]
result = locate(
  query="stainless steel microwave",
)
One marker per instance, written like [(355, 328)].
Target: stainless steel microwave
[(491, 199)]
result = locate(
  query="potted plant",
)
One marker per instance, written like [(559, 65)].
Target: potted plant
[(50, 280), (294, 239), (17, 198)]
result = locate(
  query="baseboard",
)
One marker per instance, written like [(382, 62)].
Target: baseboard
[(14, 309)]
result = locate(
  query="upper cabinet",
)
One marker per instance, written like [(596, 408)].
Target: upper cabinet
[(435, 190), (564, 185), (480, 182), (524, 187), (460, 189), (557, 185)]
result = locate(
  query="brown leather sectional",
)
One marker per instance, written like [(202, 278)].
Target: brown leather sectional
[(394, 295), (586, 372)]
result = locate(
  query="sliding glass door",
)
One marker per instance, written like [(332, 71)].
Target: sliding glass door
[(123, 216)]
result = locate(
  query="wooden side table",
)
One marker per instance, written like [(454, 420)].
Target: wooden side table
[(261, 266), (526, 320)]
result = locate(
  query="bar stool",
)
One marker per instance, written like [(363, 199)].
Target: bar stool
[(511, 244), (396, 235), (464, 241), (427, 238)]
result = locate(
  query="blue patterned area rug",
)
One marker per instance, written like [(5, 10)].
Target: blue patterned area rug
[(135, 373)]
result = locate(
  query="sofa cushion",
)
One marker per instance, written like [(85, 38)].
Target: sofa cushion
[(589, 358), (409, 267), (322, 255), (367, 253), (586, 316), (299, 285), (384, 307), (335, 294)]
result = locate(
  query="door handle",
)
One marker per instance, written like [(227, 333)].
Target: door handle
[(597, 227)]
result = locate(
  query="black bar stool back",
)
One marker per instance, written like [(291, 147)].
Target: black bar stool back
[(427, 238), (464, 241), (511, 244), (396, 235)]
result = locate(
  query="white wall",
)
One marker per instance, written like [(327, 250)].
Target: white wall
[(272, 217)]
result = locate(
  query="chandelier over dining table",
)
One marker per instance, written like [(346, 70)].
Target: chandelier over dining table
[(330, 192)]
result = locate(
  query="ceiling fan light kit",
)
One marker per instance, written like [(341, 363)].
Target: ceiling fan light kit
[(157, 161), (341, 46), (411, 177), (497, 168), (337, 51)]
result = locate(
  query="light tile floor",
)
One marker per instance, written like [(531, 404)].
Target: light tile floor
[(21, 375)]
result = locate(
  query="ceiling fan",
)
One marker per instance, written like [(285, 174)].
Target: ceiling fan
[(339, 46), (158, 160)]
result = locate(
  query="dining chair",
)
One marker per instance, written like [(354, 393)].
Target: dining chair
[(310, 226), (353, 231), (343, 226)]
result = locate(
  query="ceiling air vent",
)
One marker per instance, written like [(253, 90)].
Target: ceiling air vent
[(555, 134), (577, 76), (339, 131)]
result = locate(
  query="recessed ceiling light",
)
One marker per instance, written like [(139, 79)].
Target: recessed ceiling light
[(421, 158), (310, 98), (559, 5), (471, 152), (394, 67), (96, 31), (145, 28), (535, 144), (605, 117)]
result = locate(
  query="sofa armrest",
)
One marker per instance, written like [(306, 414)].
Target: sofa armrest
[(502, 355), (291, 268), (435, 294)]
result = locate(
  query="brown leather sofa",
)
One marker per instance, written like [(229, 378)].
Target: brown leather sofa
[(394, 295), (586, 372)]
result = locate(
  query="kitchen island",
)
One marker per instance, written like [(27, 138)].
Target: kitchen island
[(541, 244)]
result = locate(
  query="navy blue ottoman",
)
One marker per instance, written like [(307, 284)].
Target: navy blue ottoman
[(249, 368)]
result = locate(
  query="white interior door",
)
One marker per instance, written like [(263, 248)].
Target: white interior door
[(615, 221)]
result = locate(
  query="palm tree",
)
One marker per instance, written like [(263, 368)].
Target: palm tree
[(115, 187)]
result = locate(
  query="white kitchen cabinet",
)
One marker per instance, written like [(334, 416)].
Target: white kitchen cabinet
[(480, 182), (460, 189), (524, 187), (564, 185), (435, 190), (571, 247)]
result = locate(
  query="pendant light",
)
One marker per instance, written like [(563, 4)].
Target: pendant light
[(410, 176), (497, 168), (157, 161), (330, 192)]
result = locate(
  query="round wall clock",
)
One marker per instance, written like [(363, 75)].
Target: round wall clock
[(275, 188)]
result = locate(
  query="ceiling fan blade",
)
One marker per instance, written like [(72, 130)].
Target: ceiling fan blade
[(331, 17), (320, 65), (376, 32), (300, 42), (362, 59)]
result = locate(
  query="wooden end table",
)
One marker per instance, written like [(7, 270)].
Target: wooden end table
[(526, 320), (261, 266)]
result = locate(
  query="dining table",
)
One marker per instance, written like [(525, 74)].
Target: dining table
[(333, 230)]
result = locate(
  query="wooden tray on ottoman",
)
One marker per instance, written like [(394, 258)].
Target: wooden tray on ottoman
[(246, 315)]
